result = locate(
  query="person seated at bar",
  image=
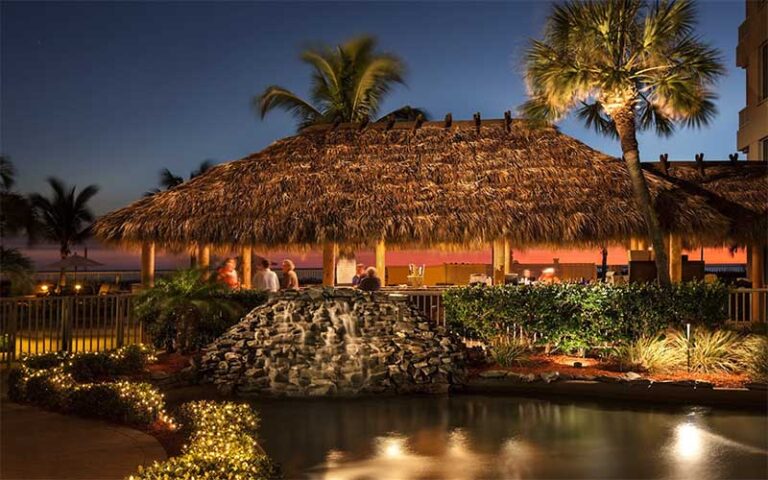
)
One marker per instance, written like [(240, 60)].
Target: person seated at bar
[(359, 274), (290, 279), (370, 282), (548, 277), (227, 275), (265, 279)]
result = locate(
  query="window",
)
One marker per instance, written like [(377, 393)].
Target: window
[(764, 148), (763, 71)]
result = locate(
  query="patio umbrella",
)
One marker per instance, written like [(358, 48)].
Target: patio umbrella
[(73, 262)]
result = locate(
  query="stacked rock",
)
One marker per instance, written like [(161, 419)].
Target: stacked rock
[(334, 342)]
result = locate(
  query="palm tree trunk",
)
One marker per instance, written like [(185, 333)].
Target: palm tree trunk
[(62, 273), (625, 126)]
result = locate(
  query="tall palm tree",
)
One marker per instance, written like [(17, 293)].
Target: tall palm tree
[(624, 66), (349, 83), (169, 180), (64, 217)]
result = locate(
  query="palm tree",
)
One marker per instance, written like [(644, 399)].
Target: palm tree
[(15, 211), (624, 66), (349, 83), (169, 180), (64, 217)]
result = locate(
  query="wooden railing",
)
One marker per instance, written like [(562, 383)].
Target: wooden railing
[(748, 305), (90, 323), (80, 323)]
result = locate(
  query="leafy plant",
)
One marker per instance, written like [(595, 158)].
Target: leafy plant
[(622, 67), (222, 445), (711, 351), (649, 354), (509, 351), (186, 311), (753, 357), (349, 82), (123, 402)]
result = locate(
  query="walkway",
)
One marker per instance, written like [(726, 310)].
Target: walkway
[(36, 444)]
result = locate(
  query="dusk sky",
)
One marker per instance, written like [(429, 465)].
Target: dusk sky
[(110, 93)]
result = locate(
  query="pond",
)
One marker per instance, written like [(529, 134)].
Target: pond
[(486, 437)]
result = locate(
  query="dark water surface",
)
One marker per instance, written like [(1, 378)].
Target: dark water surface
[(479, 437)]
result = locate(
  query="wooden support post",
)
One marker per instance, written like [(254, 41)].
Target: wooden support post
[(675, 258), (757, 277), (497, 259), (633, 244), (507, 257), (381, 261), (204, 260), (642, 244), (329, 264), (148, 264), (245, 257)]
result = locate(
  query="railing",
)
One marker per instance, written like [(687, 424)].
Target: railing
[(87, 323), (748, 305), (428, 302)]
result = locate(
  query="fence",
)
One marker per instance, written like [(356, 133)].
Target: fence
[(30, 325), (87, 323), (748, 305)]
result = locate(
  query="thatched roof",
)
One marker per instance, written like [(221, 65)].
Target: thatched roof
[(426, 184)]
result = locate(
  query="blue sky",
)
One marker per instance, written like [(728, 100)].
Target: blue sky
[(110, 93)]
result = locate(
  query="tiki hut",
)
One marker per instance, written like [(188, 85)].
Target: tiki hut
[(440, 183)]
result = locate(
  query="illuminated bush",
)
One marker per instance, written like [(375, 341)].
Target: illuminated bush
[(650, 354), (222, 445), (123, 402), (508, 351), (89, 366), (574, 317), (753, 356), (711, 351)]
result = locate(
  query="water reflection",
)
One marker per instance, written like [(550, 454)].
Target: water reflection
[(470, 437)]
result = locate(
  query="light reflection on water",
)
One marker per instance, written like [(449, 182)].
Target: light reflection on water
[(471, 437)]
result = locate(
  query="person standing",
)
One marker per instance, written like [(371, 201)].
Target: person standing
[(371, 282), (359, 274), (227, 274), (290, 280), (265, 279)]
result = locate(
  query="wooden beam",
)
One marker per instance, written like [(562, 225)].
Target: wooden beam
[(245, 256), (381, 261), (497, 258), (204, 260), (329, 264), (507, 256), (148, 264), (675, 258), (757, 277)]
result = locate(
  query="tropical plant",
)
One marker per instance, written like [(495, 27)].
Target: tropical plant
[(349, 83), (17, 269), (16, 214), (65, 217), (709, 351), (186, 311), (624, 66), (648, 354), (508, 351), (169, 180), (753, 357)]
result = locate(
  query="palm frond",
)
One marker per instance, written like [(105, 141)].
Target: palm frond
[(594, 117), (278, 97), (405, 114), (205, 165), (7, 173), (169, 180)]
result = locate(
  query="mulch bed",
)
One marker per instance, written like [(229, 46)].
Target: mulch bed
[(538, 364)]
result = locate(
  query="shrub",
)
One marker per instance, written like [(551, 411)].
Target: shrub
[(121, 402), (753, 357), (711, 351), (187, 312), (578, 317), (222, 445), (507, 351), (89, 366), (648, 353)]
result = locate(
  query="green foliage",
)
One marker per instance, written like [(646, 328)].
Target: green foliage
[(186, 310), (51, 381), (572, 317), (122, 402), (222, 445), (753, 356), (645, 58), (650, 354), (349, 82), (18, 269), (711, 351), (508, 351)]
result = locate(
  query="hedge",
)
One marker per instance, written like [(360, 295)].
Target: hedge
[(575, 316), (222, 446)]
